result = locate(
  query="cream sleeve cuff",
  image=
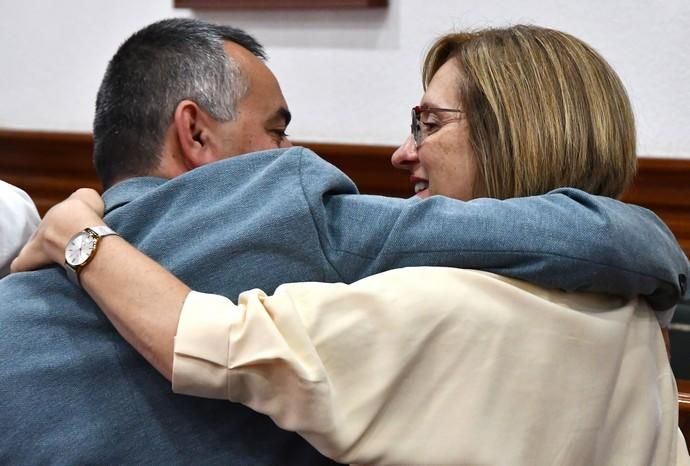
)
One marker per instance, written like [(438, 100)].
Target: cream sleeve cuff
[(201, 346), (257, 352)]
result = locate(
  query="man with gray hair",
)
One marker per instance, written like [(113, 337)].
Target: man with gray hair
[(192, 74), (182, 104)]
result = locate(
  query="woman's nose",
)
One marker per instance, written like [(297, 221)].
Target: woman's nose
[(405, 156)]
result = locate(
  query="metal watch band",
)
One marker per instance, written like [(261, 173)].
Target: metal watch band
[(102, 231), (72, 274)]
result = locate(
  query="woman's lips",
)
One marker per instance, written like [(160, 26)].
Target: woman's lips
[(420, 186)]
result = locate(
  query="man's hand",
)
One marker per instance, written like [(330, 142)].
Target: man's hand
[(84, 208)]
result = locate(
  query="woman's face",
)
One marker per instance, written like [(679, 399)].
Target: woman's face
[(443, 163)]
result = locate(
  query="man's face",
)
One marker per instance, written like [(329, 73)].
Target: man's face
[(262, 114)]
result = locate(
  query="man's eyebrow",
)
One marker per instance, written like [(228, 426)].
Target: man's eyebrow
[(283, 114)]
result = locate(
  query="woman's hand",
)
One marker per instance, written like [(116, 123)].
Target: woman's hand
[(84, 208)]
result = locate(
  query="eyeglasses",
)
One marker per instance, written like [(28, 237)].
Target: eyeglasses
[(420, 128)]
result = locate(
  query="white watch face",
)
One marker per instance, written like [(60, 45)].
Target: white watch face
[(79, 249)]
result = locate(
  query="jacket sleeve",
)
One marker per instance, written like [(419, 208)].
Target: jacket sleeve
[(565, 239), (18, 220), (352, 367)]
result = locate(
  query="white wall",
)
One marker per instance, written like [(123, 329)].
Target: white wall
[(349, 76)]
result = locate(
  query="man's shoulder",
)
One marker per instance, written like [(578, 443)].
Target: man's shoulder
[(258, 180), (300, 163), (289, 160)]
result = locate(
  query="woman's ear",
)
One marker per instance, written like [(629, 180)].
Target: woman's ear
[(195, 132)]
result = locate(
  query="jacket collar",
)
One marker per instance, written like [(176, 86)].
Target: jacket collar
[(124, 192)]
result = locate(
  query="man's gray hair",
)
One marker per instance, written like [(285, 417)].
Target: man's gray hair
[(151, 73)]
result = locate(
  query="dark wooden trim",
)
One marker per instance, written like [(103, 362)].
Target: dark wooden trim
[(663, 185), (279, 4), (50, 165)]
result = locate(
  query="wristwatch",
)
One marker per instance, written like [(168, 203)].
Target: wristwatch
[(81, 250)]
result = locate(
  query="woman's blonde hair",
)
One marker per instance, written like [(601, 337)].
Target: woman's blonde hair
[(544, 111)]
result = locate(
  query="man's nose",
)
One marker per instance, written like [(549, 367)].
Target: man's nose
[(406, 155)]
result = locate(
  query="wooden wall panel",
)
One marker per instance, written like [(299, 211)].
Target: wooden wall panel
[(49, 166), (279, 4), (663, 185)]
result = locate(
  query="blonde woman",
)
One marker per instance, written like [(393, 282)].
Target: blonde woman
[(433, 365)]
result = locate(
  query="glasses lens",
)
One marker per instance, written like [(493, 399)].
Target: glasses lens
[(416, 127)]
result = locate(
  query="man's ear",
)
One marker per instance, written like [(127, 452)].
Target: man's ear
[(195, 134)]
